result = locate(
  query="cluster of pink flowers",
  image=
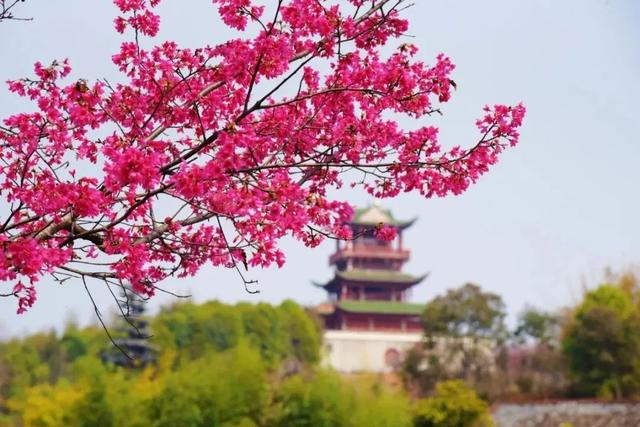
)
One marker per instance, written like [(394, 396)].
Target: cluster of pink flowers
[(141, 20), (26, 295), (385, 232), (213, 155)]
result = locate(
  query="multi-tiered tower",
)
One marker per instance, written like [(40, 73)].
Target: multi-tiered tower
[(133, 349), (368, 310)]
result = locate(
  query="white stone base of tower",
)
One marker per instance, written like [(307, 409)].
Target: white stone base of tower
[(365, 351)]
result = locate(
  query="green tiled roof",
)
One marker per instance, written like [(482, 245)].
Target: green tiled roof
[(385, 307), (378, 276), (374, 215), (377, 215)]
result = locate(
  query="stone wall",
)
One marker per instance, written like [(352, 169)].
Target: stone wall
[(359, 351), (573, 413)]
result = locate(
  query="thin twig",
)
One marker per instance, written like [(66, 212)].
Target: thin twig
[(97, 311)]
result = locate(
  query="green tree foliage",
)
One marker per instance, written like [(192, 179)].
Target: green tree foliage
[(208, 327), (325, 399), (93, 409), (454, 405), (265, 330), (602, 343), (73, 345), (212, 368), (465, 312), (381, 406), (463, 329), (218, 365), (39, 358), (277, 332), (304, 335), (541, 371), (540, 326), (216, 389), (257, 366)]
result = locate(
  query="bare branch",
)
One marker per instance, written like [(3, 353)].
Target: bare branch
[(99, 315), (6, 12)]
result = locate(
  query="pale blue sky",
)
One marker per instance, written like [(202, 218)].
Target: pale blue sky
[(551, 215)]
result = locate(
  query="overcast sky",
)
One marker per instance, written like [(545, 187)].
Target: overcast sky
[(549, 217)]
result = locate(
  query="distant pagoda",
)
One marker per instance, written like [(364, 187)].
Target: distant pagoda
[(369, 291), (135, 340)]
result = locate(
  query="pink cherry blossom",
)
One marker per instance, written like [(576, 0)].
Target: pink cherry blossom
[(213, 155), (385, 232)]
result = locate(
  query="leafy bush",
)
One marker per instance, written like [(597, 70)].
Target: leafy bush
[(454, 405)]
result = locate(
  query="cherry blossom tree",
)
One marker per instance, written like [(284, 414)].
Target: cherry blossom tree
[(212, 155)]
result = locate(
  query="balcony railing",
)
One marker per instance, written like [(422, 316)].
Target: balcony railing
[(370, 252)]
